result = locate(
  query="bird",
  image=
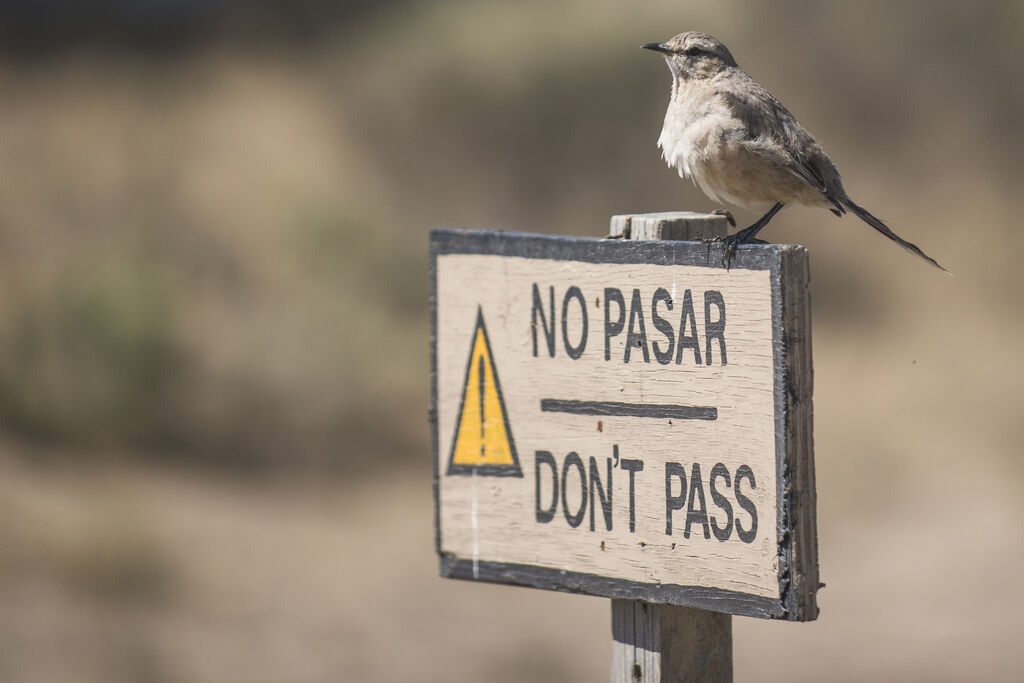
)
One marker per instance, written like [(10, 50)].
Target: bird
[(740, 145)]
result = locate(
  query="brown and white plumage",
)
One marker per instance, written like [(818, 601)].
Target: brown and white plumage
[(739, 143)]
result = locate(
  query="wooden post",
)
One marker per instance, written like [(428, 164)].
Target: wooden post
[(654, 643), (669, 225), (666, 643)]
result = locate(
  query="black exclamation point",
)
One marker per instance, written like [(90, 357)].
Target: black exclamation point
[(480, 389)]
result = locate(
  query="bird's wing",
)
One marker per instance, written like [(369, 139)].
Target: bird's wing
[(765, 118)]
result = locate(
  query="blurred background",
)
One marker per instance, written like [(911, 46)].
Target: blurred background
[(214, 455)]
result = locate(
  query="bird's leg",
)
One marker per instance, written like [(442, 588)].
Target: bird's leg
[(747, 235), (726, 215)]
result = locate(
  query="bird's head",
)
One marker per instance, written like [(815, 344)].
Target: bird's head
[(694, 55)]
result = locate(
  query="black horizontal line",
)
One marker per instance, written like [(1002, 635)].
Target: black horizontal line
[(617, 409)]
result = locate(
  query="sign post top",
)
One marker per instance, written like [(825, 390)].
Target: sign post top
[(626, 419)]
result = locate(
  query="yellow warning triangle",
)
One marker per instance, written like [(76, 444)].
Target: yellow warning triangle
[(483, 440)]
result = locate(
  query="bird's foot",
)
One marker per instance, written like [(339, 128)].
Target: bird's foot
[(745, 236), (725, 214), (730, 242)]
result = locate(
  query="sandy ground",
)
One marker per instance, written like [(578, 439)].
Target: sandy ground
[(115, 574)]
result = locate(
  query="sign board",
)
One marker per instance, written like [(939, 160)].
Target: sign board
[(626, 419)]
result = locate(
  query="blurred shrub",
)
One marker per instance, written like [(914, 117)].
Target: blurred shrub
[(92, 357), (383, 266)]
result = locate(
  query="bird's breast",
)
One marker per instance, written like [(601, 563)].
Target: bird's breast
[(695, 125), (703, 140)]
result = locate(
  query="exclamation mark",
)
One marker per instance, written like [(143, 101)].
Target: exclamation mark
[(480, 391)]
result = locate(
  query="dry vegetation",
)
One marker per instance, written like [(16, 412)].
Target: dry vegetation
[(213, 346)]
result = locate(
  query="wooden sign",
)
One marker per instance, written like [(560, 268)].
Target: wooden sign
[(625, 419)]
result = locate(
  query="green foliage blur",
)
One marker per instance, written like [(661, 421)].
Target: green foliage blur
[(93, 358)]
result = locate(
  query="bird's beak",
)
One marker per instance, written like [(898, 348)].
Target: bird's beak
[(657, 47)]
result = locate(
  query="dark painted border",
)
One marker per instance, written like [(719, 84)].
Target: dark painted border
[(714, 599), (589, 250)]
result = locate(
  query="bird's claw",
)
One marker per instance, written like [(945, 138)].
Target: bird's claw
[(729, 244), (725, 214), (729, 251)]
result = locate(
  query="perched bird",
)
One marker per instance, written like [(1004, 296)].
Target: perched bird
[(739, 144)]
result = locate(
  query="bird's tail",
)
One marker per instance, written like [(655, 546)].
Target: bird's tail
[(881, 227)]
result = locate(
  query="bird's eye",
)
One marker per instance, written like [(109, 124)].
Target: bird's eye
[(693, 51)]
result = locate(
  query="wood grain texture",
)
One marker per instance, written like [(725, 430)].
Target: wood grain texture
[(654, 643), (486, 526), (800, 496), (494, 519), (669, 225)]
